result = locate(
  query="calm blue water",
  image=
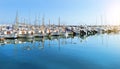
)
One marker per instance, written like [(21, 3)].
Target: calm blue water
[(93, 52)]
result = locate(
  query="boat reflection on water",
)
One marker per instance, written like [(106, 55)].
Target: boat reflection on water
[(28, 44), (32, 40), (73, 51)]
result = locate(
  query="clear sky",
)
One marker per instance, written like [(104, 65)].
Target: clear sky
[(70, 11)]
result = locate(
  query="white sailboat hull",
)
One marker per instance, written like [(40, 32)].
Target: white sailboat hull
[(55, 34), (10, 36), (38, 35), (30, 36), (22, 36)]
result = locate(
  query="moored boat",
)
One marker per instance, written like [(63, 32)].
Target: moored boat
[(30, 34), (55, 33), (2, 37), (22, 34), (38, 34), (10, 34)]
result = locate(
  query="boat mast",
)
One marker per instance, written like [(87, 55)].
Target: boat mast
[(59, 24), (43, 25), (49, 24), (17, 21), (39, 20), (59, 21), (101, 20), (35, 22), (24, 22), (29, 20), (43, 21)]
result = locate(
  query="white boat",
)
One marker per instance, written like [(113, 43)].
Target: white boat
[(2, 37), (62, 32), (30, 34), (69, 32), (38, 34), (46, 33), (10, 34), (22, 34), (55, 33)]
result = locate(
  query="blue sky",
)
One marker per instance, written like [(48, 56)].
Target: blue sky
[(70, 11)]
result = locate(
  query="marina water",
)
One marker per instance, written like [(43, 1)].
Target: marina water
[(100, 51)]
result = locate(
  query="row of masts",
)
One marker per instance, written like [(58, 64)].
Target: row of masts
[(31, 31), (17, 22)]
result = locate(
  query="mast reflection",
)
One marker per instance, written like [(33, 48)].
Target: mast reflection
[(40, 43)]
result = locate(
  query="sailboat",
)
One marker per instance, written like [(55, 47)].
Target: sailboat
[(55, 33), (47, 30), (38, 33), (30, 34), (69, 31), (22, 33), (8, 34), (56, 30), (44, 29)]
